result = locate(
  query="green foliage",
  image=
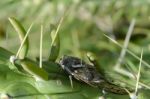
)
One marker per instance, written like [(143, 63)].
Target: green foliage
[(81, 32), (55, 45), (21, 32)]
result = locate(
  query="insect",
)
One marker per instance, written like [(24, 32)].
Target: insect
[(87, 73)]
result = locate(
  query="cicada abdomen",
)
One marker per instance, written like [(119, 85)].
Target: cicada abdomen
[(109, 87)]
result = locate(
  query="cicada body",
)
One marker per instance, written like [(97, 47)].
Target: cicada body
[(88, 74)]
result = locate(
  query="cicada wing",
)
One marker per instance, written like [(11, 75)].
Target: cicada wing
[(81, 78)]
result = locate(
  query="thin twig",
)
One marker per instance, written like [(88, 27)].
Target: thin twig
[(126, 42), (41, 43), (144, 85), (56, 33), (130, 52), (138, 76)]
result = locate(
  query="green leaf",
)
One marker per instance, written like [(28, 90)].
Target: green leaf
[(5, 55), (51, 67), (25, 87), (9, 77), (33, 68), (54, 52), (21, 32), (55, 45)]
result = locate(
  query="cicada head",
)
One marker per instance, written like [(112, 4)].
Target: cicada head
[(70, 64)]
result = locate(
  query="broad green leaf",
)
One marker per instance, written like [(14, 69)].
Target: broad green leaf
[(25, 87), (9, 77)]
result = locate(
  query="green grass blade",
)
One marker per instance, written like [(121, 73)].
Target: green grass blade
[(21, 32)]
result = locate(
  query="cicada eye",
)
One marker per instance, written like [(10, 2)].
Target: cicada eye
[(64, 61)]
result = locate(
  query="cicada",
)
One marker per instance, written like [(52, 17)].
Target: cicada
[(87, 73)]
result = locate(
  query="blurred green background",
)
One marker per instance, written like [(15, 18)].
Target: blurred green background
[(83, 30)]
